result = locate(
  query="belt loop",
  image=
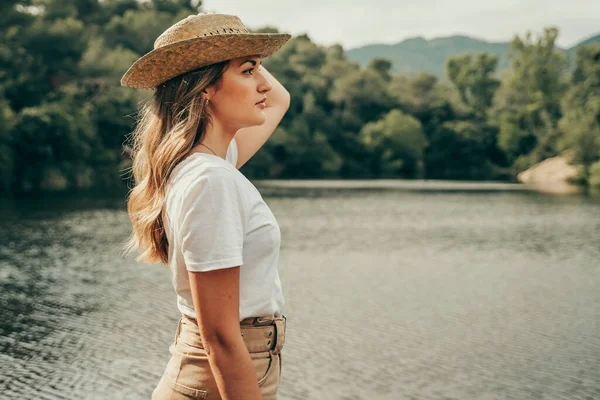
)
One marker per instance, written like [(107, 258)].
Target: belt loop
[(178, 330), (280, 327), (261, 321)]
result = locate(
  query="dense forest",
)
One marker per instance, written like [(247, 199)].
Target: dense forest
[(65, 120)]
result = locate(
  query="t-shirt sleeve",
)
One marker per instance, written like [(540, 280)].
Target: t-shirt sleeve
[(212, 222), (232, 152)]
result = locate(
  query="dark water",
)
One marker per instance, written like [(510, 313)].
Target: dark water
[(394, 290)]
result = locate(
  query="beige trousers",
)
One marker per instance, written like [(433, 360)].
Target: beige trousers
[(188, 374)]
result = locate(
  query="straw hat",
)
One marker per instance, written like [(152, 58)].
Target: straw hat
[(196, 41)]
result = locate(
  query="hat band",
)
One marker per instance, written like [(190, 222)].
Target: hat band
[(219, 31)]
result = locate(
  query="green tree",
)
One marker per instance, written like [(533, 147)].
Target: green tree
[(48, 137), (39, 58), (528, 102), (396, 144), (7, 121), (359, 97), (382, 66), (580, 125), (426, 98), (463, 150), (473, 77)]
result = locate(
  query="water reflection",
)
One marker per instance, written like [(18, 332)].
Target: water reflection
[(391, 292)]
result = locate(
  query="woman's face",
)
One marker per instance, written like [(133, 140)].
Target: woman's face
[(233, 102)]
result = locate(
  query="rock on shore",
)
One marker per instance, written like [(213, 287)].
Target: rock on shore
[(551, 176)]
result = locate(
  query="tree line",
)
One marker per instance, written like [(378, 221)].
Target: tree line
[(65, 119)]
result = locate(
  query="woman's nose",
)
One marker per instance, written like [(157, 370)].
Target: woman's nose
[(265, 85)]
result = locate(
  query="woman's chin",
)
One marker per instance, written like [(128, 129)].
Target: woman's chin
[(257, 118), (261, 118)]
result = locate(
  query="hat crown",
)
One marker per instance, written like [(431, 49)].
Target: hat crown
[(201, 25)]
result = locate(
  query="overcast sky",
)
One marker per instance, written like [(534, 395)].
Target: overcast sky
[(390, 21)]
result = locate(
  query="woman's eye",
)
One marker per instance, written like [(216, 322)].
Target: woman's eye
[(249, 70)]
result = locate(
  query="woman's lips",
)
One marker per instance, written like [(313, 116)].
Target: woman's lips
[(262, 103)]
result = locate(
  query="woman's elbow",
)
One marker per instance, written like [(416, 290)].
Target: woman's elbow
[(221, 341)]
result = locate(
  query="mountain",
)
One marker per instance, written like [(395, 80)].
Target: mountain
[(590, 40), (419, 54), (571, 52)]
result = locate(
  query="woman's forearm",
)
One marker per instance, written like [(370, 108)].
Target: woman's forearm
[(234, 371)]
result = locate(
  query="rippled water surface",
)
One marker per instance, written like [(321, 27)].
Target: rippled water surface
[(393, 291)]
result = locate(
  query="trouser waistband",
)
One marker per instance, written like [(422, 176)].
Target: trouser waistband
[(261, 334)]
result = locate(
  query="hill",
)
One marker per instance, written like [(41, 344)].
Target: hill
[(419, 54), (572, 51)]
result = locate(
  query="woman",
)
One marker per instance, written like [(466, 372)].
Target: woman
[(194, 211)]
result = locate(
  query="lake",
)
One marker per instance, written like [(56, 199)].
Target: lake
[(393, 290)]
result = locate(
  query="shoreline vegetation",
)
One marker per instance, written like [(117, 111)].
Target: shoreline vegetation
[(65, 120)]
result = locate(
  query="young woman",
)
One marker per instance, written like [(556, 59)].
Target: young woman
[(213, 107)]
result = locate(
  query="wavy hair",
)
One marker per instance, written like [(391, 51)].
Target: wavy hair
[(169, 125)]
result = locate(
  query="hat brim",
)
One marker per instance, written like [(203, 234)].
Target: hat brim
[(169, 61)]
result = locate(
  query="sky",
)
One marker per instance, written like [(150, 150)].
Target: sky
[(353, 24)]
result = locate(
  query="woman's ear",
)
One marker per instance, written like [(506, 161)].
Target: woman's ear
[(207, 93)]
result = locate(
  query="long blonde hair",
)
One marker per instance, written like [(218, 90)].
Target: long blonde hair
[(169, 125)]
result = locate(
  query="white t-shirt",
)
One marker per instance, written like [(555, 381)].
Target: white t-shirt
[(216, 218)]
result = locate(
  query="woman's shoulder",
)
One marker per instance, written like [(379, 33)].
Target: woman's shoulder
[(197, 164), (198, 172), (209, 186), (201, 164)]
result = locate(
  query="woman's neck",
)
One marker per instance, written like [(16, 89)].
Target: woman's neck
[(216, 138)]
